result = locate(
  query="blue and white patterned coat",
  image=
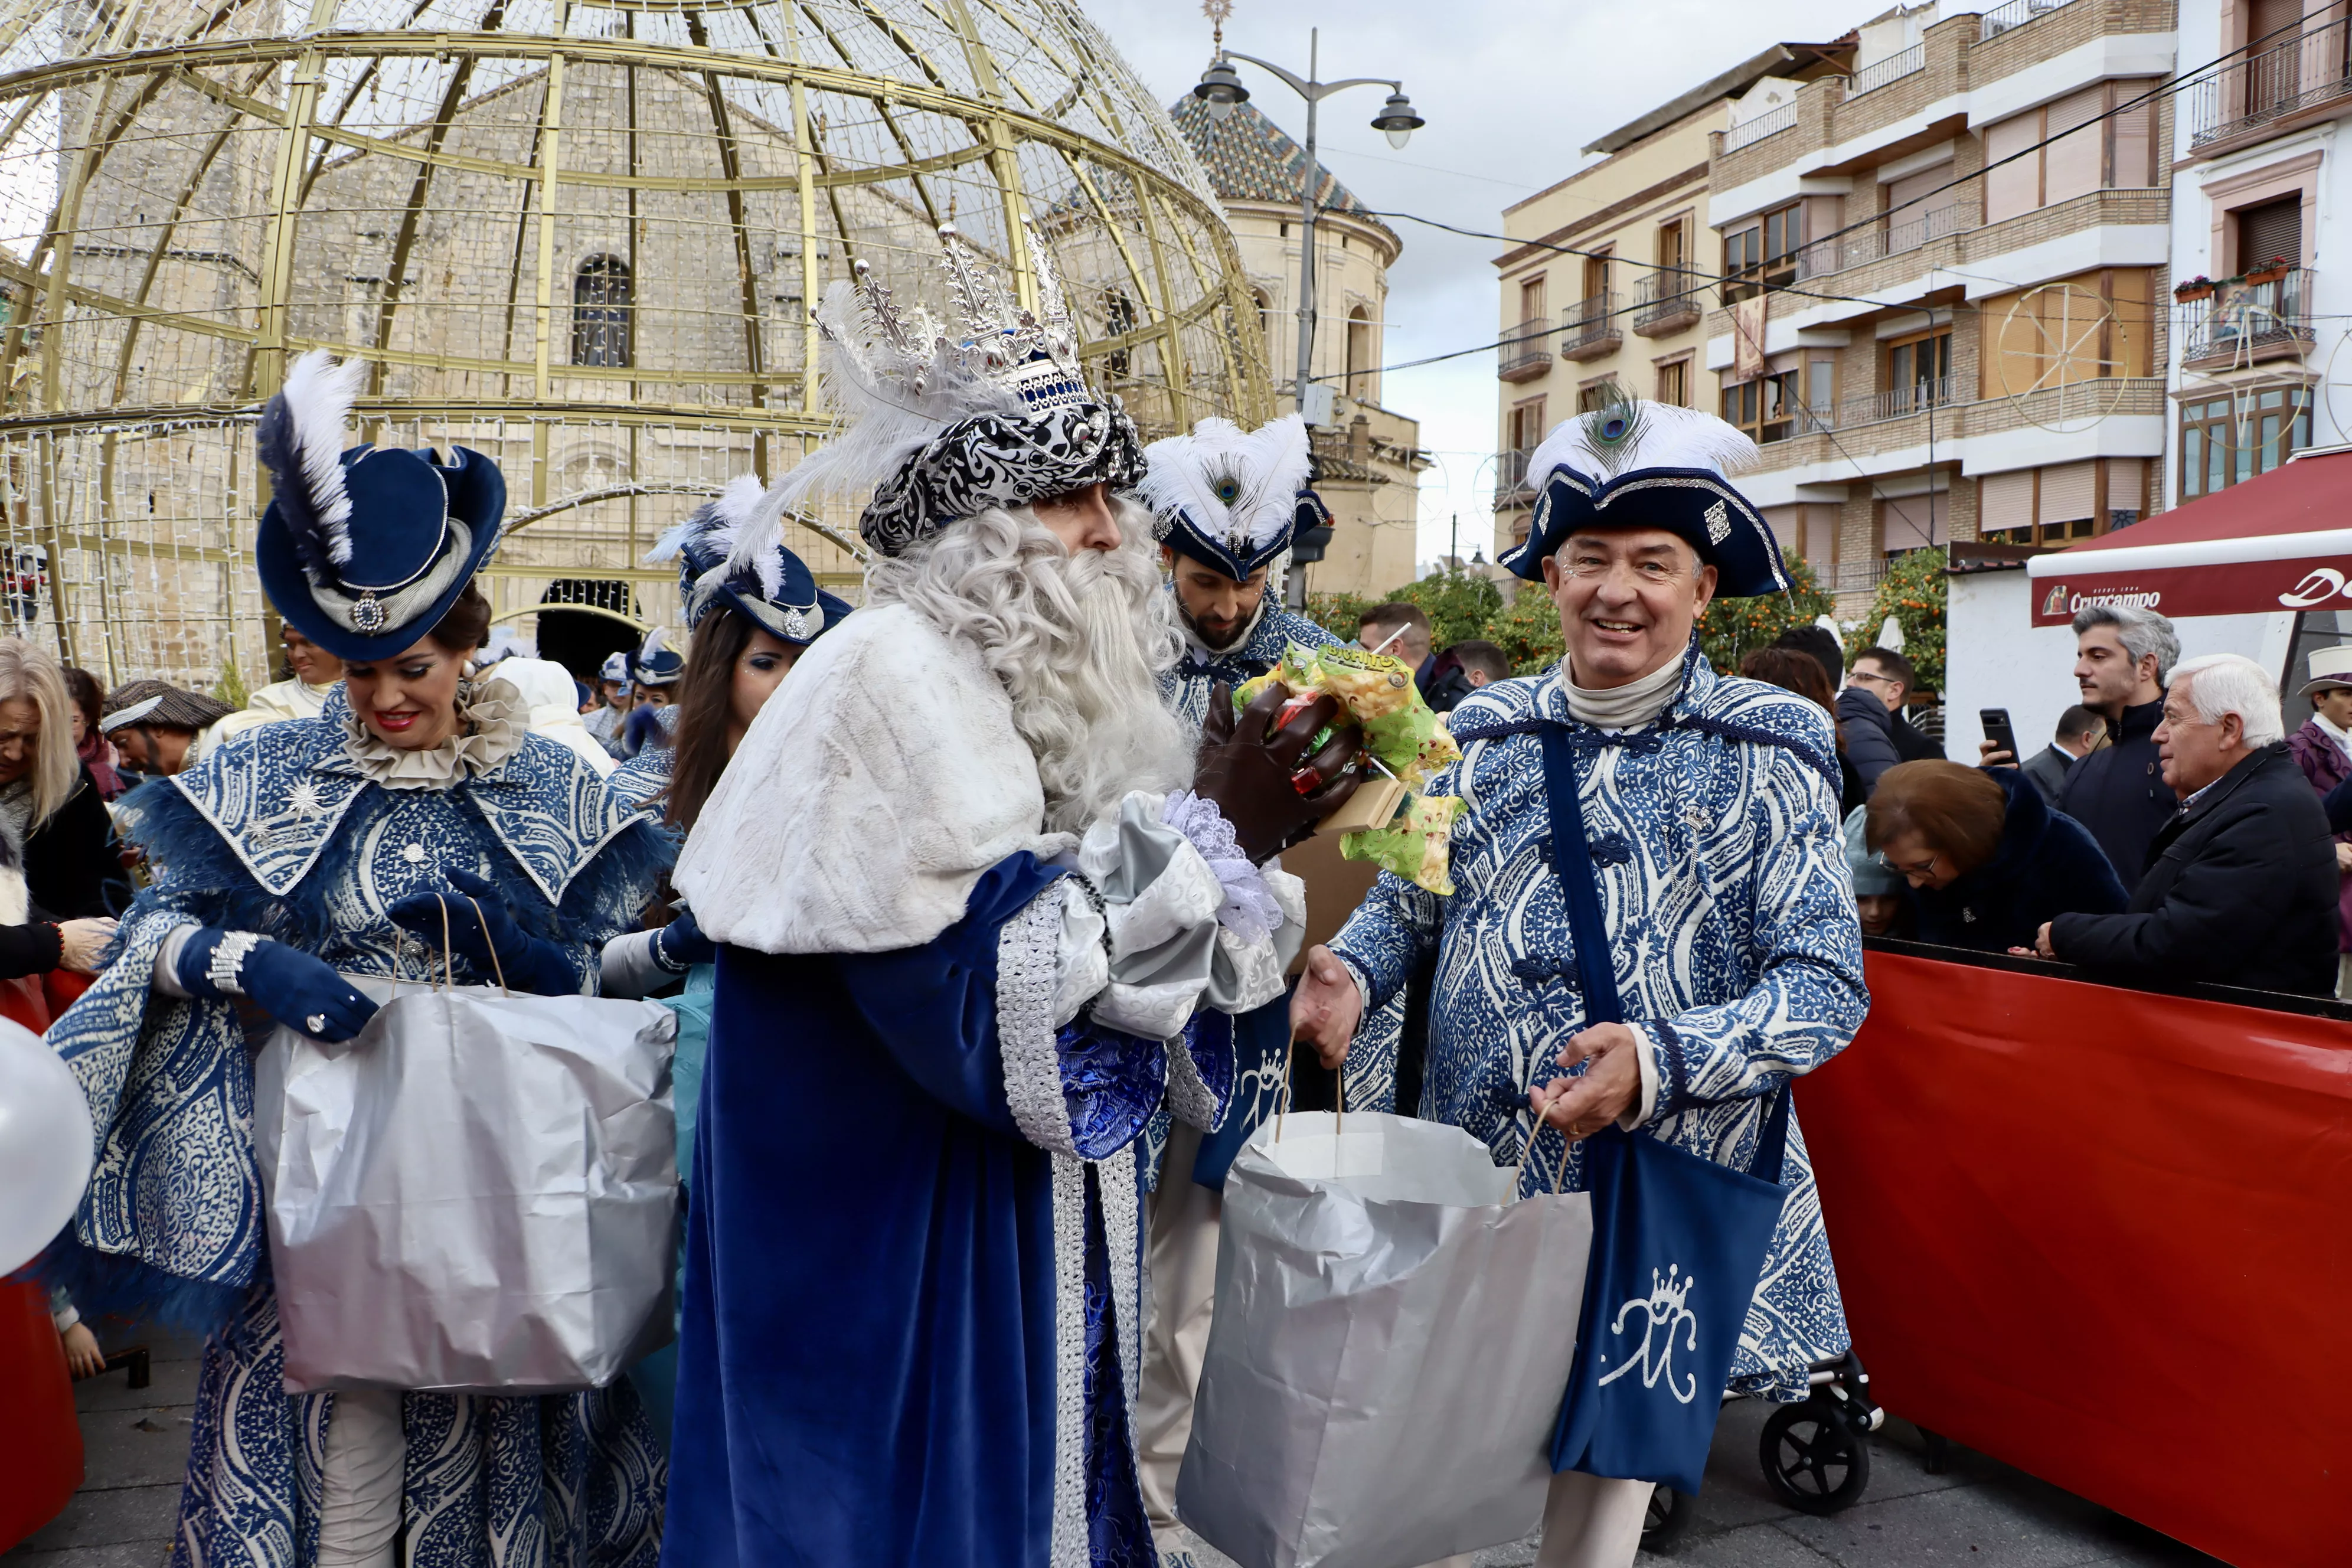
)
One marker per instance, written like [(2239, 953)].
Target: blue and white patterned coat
[(278, 832), (1724, 883)]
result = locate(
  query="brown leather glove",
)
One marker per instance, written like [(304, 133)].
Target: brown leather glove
[(1261, 777)]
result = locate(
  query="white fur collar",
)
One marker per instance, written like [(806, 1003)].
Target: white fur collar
[(875, 787)]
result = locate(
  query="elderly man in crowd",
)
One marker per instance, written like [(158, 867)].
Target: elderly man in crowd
[(2122, 657), (2240, 885), (153, 725), (1710, 807)]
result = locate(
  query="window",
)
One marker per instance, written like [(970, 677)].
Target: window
[(1531, 298), (1264, 315), (1118, 319), (1764, 254), (2088, 327), (2269, 232), (1361, 356), (1590, 397), (1596, 276), (2062, 503), (1674, 245), (1523, 432), (2069, 149), (1673, 384), (2226, 440), (1918, 371), (1768, 407), (600, 313)]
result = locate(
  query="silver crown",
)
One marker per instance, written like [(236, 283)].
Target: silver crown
[(1032, 356)]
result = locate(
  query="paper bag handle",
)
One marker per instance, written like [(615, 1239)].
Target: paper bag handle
[(483, 920), (1339, 1095)]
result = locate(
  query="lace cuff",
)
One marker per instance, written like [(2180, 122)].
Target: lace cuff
[(1073, 1089), (1249, 910)]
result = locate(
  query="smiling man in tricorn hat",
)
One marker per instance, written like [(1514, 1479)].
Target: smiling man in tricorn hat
[(1710, 806)]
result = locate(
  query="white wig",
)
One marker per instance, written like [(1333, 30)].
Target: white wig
[(1079, 643), (2229, 683)]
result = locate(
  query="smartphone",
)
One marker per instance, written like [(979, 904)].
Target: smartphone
[(1999, 730)]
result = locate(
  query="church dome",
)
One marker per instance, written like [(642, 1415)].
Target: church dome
[(582, 238), (1249, 158)]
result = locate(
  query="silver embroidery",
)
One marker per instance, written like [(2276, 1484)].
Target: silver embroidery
[(1025, 949), (1189, 1100), (1069, 1547)]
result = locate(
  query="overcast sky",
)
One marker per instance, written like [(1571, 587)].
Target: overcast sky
[(1510, 91)]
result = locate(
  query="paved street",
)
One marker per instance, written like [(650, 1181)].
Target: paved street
[(1979, 1514)]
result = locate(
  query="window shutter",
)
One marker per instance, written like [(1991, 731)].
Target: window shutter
[(2069, 491), (2073, 162), (2134, 135), (1903, 523), (2271, 230), (2012, 188), (2005, 502)]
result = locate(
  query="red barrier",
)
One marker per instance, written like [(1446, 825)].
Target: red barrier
[(2105, 1236), (40, 1442)]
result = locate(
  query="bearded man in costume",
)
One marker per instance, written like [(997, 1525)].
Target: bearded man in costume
[(970, 883), (1711, 813)]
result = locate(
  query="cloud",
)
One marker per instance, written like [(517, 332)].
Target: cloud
[(1511, 91)]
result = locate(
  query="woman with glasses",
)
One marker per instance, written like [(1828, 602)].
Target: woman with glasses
[(1987, 858)]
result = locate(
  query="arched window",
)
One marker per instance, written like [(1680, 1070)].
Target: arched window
[(1363, 358), (600, 313), (1265, 317), (1119, 318)]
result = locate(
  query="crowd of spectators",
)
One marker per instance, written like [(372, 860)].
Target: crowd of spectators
[(1445, 676)]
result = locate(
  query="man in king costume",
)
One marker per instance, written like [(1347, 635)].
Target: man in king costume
[(970, 883), (1711, 811)]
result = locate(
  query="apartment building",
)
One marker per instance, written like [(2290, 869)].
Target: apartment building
[(2258, 182), (1944, 314), (1613, 275)]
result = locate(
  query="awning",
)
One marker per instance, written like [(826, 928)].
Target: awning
[(2279, 542)]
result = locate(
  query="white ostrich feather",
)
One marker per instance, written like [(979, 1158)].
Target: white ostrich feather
[(1665, 437), (319, 395), (1269, 465), (655, 644), (719, 519)]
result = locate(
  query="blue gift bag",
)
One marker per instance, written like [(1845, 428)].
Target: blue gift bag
[(1678, 1242)]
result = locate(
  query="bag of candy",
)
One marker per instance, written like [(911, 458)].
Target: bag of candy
[(1401, 734)]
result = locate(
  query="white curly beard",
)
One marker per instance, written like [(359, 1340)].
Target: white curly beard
[(1078, 644)]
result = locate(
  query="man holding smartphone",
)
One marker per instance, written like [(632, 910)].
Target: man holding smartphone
[(2080, 733)]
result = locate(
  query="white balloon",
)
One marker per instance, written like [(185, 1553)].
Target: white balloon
[(45, 1145)]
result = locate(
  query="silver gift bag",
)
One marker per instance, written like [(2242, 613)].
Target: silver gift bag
[(477, 1193), (1391, 1345)]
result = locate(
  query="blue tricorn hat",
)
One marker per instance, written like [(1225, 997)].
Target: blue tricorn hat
[(656, 663), (365, 550), (1636, 464), (1230, 499), (775, 591)]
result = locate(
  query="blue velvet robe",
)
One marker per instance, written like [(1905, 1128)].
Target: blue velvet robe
[(910, 1333)]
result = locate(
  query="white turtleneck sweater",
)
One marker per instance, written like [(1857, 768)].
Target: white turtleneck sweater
[(1626, 707)]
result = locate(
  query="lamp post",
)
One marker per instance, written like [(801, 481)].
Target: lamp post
[(1221, 88)]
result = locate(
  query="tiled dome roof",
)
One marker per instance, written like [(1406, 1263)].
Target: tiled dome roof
[(1250, 159)]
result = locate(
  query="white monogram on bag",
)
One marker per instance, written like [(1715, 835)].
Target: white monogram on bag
[(1663, 1305)]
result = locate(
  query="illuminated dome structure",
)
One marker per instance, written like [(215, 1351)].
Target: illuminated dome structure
[(581, 237)]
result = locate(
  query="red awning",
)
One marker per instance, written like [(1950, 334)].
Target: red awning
[(2280, 542)]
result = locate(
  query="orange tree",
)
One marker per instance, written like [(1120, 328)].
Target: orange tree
[(1731, 630), (1913, 593)]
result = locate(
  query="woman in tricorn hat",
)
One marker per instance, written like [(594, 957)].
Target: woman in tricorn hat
[(299, 852)]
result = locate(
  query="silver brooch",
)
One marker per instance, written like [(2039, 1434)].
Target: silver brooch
[(367, 616), (799, 624), (1719, 523)]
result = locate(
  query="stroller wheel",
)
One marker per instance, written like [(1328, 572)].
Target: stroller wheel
[(1669, 1519), (1813, 1460)]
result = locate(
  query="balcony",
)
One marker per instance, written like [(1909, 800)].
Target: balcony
[(1895, 403), (1525, 352), (1592, 327), (1908, 232), (1511, 477), (1665, 303), (2016, 14), (1894, 67), (2244, 324), (1748, 132), (2273, 89), (1896, 422)]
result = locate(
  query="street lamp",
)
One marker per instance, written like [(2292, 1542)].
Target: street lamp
[(1221, 88)]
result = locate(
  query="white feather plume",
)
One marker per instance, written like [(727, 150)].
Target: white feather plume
[(719, 521), (319, 396), (1667, 437), (1268, 466), (656, 643)]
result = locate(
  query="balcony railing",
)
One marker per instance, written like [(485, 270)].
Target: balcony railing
[(2244, 324), (2016, 14), (1527, 350), (1896, 402), (1908, 232), (1511, 475), (2279, 80), (1748, 132), (1591, 327), (1667, 301), (1894, 67)]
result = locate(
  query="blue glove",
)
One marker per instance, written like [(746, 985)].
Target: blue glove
[(291, 985), (481, 929), (680, 945)]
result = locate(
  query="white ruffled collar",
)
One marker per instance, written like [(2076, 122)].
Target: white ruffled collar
[(491, 724)]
